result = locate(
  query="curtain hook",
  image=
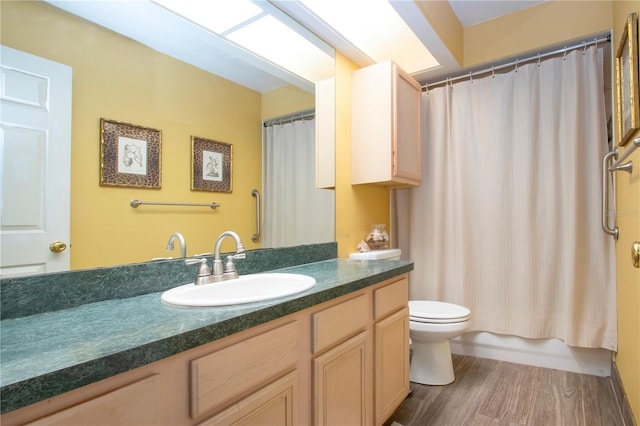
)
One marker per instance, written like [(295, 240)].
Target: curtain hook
[(470, 77), (516, 70), (493, 72), (564, 56), (539, 60), (596, 40), (584, 50)]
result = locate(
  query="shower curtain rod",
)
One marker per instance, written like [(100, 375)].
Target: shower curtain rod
[(304, 115), (517, 62)]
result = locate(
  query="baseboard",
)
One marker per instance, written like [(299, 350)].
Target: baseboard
[(547, 353), (621, 396)]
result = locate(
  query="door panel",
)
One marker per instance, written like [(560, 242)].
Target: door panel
[(35, 165)]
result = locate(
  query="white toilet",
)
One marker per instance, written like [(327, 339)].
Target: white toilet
[(431, 325)]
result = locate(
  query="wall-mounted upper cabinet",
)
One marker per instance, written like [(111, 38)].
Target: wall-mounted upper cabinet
[(326, 133), (385, 132)]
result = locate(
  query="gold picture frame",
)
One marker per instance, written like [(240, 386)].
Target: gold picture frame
[(129, 155), (626, 61), (211, 165)]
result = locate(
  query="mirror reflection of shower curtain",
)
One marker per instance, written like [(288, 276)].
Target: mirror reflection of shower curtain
[(507, 220), (295, 212)]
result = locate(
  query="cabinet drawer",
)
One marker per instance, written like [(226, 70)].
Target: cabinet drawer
[(390, 298), (225, 374), (335, 324), (134, 404)]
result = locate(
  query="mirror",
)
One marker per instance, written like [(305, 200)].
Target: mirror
[(117, 78)]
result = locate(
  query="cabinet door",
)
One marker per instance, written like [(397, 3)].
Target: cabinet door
[(407, 159), (326, 133), (340, 384), (273, 405), (391, 363)]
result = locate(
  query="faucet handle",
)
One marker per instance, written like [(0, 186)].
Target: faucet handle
[(229, 271), (204, 267)]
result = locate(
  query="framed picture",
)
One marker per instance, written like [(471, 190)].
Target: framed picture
[(628, 119), (210, 165), (129, 155)]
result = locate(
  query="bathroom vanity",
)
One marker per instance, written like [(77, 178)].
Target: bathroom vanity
[(336, 352)]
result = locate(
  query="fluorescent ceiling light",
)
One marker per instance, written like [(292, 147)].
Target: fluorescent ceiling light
[(215, 15), (374, 27), (285, 47), (248, 25)]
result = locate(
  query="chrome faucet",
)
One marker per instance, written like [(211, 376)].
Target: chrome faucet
[(220, 272), (183, 245), (229, 270)]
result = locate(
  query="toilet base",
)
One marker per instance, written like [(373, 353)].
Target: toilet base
[(431, 363)]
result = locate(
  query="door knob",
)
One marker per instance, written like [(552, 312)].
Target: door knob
[(57, 246), (635, 254)]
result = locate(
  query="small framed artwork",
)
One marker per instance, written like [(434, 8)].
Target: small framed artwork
[(210, 165), (628, 118), (129, 155)]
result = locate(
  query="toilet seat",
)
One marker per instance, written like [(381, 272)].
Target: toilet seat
[(432, 312)]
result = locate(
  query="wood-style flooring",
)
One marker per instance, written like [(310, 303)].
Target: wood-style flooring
[(489, 392)]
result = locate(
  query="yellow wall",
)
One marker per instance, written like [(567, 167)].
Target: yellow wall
[(540, 26), (286, 100), (628, 277), (445, 23), (118, 79), (360, 206)]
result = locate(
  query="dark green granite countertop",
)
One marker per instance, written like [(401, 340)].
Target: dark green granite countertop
[(50, 353)]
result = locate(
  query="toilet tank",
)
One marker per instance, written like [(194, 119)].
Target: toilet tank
[(390, 254)]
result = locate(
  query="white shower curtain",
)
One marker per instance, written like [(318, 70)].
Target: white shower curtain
[(295, 212), (507, 219)]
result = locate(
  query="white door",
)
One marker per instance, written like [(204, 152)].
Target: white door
[(35, 164)]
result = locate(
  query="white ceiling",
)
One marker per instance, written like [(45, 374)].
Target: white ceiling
[(156, 27)]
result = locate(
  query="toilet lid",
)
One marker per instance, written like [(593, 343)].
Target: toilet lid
[(437, 312)]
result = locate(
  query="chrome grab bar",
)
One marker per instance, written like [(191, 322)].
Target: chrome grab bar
[(628, 166), (256, 237), (605, 198)]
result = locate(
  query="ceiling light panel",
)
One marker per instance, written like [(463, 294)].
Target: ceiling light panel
[(216, 15), (276, 42), (376, 29)]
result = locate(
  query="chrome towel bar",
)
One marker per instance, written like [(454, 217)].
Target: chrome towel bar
[(136, 203)]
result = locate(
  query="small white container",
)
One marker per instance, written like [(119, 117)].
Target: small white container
[(389, 254)]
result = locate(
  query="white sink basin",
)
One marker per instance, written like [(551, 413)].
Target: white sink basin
[(245, 289)]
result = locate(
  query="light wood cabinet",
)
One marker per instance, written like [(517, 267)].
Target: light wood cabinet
[(326, 133), (344, 361), (391, 363), (391, 341), (341, 383), (385, 127), (224, 375), (273, 405), (133, 404)]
